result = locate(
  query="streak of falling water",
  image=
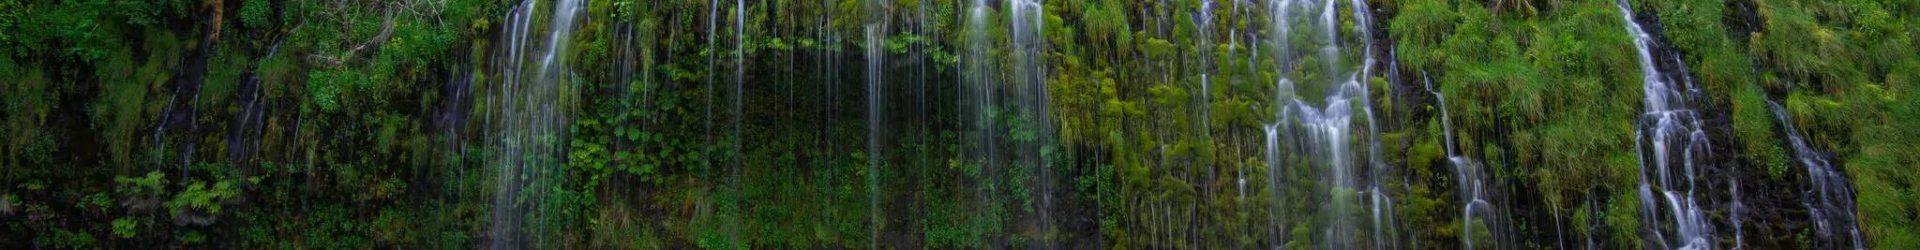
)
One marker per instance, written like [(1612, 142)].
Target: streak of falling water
[(1671, 142), (1382, 204), (1736, 210), (243, 139), (1279, 14), (506, 219), (1325, 132), (979, 90), (876, 32), (713, 22), (1832, 203), (739, 94), (739, 65), (739, 72), (530, 116), (1205, 21), (979, 101), (1028, 20), (1201, 106), (1473, 184)]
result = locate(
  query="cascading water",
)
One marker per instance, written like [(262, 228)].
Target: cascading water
[(1473, 184), (1382, 204), (739, 98), (979, 89), (739, 69), (1280, 12), (1030, 77), (1204, 19), (243, 140), (528, 118), (1325, 134), (713, 60), (981, 94), (1830, 202), (180, 115), (876, 32), (1672, 142)]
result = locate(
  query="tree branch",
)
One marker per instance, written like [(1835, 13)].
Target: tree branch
[(386, 32)]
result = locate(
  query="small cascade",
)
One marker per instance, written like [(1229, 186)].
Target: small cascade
[(1736, 210), (528, 118), (739, 77), (1473, 181), (1381, 203), (1673, 148), (1031, 136), (979, 84), (1326, 133), (876, 35), (180, 116), (979, 95), (1280, 13), (1204, 20), (450, 118), (737, 158), (1830, 201), (243, 138), (713, 60), (977, 77)]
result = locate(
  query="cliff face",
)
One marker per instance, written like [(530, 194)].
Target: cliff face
[(1301, 124)]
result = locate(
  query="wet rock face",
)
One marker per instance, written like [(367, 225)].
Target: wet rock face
[(1770, 209)]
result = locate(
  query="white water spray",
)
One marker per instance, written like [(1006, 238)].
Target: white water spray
[(1831, 201), (1672, 142), (530, 117)]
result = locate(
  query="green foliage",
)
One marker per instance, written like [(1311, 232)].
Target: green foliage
[(10, 13), (142, 185), (1754, 123), (199, 197), (324, 88), (63, 238), (27, 104), (256, 14), (126, 227)]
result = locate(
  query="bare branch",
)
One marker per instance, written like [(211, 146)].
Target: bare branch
[(386, 33)]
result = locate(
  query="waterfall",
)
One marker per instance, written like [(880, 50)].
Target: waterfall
[(528, 115), (1473, 181), (978, 105), (979, 89), (713, 26), (1325, 134), (243, 138), (1382, 204), (180, 115), (876, 32), (1672, 142), (1280, 12), (1831, 200), (739, 76), (737, 153), (1204, 20), (1028, 22)]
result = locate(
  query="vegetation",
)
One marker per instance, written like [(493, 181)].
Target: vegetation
[(376, 123)]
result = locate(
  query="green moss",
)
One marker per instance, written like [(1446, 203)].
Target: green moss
[(1753, 125)]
